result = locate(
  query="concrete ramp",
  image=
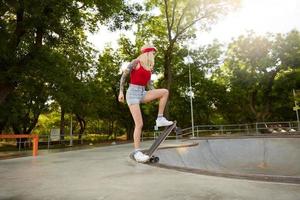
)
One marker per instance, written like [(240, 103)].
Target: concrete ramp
[(273, 159)]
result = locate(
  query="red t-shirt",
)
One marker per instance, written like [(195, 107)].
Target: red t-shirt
[(140, 76)]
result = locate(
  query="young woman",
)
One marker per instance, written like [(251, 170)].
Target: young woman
[(140, 76)]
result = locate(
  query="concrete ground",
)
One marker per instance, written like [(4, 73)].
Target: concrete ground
[(255, 158), (108, 173)]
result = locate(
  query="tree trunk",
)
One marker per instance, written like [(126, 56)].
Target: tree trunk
[(31, 122), (20, 141), (112, 129), (2, 124), (263, 114), (129, 131), (82, 124), (267, 94), (109, 127), (168, 74), (5, 90), (168, 66)]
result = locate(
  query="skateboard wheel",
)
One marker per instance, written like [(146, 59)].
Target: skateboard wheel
[(151, 160), (154, 159)]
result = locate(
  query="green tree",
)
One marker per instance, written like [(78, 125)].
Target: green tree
[(108, 80), (31, 27), (205, 60), (251, 69), (176, 23), (43, 43)]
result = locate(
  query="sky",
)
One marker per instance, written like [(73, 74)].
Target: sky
[(261, 16)]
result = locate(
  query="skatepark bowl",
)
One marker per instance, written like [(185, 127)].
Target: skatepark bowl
[(262, 158)]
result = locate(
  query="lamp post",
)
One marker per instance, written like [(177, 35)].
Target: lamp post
[(296, 108), (188, 60), (71, 131)]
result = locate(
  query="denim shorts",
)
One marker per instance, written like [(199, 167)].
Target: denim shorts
[(135, 94)]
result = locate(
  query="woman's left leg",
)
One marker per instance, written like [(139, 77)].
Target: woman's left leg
[(161, 94)]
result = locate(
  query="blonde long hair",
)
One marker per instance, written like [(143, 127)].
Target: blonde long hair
[(147, 59)]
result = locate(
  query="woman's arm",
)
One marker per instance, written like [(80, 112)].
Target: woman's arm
[(150, 85), (127, 71)]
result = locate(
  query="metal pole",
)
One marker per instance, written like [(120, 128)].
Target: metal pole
[(296, 110), (71, 131), (191, 99), (256, 128)]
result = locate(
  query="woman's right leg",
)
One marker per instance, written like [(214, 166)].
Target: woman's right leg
[(138, 121)]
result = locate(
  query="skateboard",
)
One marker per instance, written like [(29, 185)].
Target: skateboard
[(150, 152)]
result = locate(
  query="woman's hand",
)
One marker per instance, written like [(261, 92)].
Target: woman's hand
[(121, 97)]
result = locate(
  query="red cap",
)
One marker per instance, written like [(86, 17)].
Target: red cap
[(145, 50)]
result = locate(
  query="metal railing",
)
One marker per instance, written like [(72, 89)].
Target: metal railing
[(33, 138), (63, 140), (44, 140), (259, 128)]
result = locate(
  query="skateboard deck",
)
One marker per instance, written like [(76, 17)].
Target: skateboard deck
[(160, 139), (150, 152)]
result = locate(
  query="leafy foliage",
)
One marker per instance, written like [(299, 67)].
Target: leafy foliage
[(47, 66), (253, 68)]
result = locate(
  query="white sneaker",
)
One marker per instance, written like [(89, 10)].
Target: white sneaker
[(162, 121), (140, 157)]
